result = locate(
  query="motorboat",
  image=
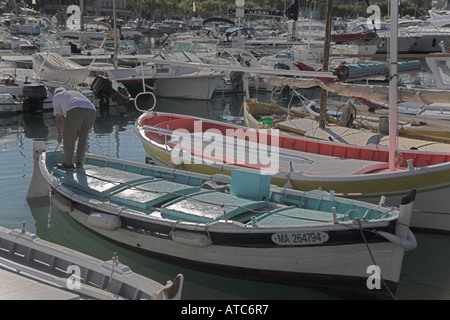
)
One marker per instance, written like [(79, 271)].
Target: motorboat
[(21, 95), (172, 81)]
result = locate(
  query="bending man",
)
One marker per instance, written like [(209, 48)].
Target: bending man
[(75, 115)]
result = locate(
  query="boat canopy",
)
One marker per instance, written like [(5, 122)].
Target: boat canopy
[(54, 67)]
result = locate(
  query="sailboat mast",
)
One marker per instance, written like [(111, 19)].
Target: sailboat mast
[(326, 59), (116, 57), (81, 14), (393, 79)]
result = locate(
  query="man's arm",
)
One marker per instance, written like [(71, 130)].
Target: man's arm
[(59, 126)]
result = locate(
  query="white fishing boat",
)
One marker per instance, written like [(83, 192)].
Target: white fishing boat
[(172, 81), (55, 71), (31, 267), (19, 94), (225, 225), (347, 123)]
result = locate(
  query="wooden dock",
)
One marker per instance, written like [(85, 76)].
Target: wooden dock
[(17, 286)]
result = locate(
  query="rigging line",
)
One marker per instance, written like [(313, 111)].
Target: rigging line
[(373, 259)]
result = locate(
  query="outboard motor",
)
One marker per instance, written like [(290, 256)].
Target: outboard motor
[(236, 80), (103, 90), (33, 97)]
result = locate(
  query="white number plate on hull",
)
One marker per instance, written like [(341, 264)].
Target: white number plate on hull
[(300, 238)]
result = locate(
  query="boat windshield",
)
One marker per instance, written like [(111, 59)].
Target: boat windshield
[(195, 46), (7, 69)]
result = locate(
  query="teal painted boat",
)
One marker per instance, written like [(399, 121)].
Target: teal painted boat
[(238, 225)]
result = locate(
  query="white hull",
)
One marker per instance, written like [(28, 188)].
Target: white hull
[(196, 87), (346, 261)]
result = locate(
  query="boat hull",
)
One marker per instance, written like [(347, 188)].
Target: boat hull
[(341, 266), (135, 86), (196, 87)]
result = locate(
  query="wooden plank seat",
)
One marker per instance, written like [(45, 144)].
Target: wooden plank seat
[(102, 181), (208, 206), (152, 193), (291, 216)]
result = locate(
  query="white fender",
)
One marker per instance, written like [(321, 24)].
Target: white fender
[(104, 221), (191, 239), (408, 244)]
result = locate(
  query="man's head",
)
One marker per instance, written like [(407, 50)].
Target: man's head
[(59, 90)]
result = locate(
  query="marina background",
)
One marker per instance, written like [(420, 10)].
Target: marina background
[(424, 276)]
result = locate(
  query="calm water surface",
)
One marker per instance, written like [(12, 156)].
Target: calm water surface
[(425, 273)]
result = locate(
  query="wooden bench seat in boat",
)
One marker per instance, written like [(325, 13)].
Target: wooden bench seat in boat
[(152, 193), (207, 206), (102, 181), (126, 188), (291, 216)]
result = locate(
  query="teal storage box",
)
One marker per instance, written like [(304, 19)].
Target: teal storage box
[(250, 185)]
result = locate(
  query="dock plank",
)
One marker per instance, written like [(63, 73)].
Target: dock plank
[(15, 286)]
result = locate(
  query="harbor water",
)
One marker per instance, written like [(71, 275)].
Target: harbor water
[(425, 273)]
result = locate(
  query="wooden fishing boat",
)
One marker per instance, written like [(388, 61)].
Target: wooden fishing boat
[(70, 274), (366, 128), (413, 134), (254, 230), (302, 163)]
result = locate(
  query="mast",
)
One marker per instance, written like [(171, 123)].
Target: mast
[(116, 58), (393, 78), (326, 59), (81, 14)]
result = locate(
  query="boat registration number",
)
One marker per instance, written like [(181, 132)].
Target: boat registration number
[(300, 238)]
